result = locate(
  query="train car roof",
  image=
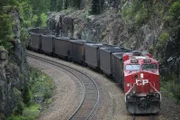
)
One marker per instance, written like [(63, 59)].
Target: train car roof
[(49, 35), (62, 38), (32, 33), (106, 46), (96, 45), (119, 54), (114, 49), (79, 41)]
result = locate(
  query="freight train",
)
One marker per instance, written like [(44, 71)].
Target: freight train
[(136, 72)]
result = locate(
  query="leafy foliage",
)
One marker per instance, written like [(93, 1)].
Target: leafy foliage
[(137, 13), (96, 6), (164, 37), (40, 86), (24, 34), (141, 16), (43, 19), (31, 112), (40, 6), (14, 117), (5, 31), (172, 86), (175, 10)]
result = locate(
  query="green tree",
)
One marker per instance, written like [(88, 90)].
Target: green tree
[(5, 25), (175, 10), (59, 5), (95, 7), (40, 6), (76, 3), (53, 5)]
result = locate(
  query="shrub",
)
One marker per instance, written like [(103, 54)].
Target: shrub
[(169, 83), (141, 16), (136, 13), (43, 19), (128, 12), (163, 37), (19, 108), (24, 35), (40, 86), (13, 117), (27, 97), (175, 9), (34, 20), (5, 31), (31, 112)]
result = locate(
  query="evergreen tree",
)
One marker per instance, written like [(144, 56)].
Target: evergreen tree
[(6, 25), (53, 5), (66, 4), (77, 3), (59, 5), (95, 7)]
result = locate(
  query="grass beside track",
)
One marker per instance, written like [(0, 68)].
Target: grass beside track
[(38, 94)]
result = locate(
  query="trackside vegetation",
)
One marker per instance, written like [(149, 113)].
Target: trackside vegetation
[(37, 96)]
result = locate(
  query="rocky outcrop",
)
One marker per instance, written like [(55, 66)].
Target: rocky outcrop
[(171, 56), (60, 24), (14, 74)]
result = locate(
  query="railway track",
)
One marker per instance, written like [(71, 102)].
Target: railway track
[(143, 117), (90, 99)]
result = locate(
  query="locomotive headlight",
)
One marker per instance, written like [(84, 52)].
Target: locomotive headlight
[(134, 92), (142, 75), (128, 96)]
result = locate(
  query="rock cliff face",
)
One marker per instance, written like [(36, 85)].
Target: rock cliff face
[(14, 74), (142, 32)]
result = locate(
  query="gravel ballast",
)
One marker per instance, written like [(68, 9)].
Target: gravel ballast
[(67, 94)]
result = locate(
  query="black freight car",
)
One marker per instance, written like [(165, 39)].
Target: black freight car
[(34, 30), (42, 30), (77, 52), (47, 44), (36, 40), (62, 46), (92, 57), (117, 67), (37, 30), (105, 58)]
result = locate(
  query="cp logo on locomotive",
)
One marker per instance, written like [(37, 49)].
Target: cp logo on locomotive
[(142, 82)]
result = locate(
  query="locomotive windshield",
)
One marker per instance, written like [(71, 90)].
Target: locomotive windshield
[(149, 66), (133, 67)]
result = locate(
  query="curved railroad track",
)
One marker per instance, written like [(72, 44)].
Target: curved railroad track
[(90, 99), (144, 117)]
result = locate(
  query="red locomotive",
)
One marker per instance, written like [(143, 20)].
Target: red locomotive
[(141, 83)]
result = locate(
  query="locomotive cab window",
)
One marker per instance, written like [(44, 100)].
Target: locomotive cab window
[(133, 67), (149, 66)]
